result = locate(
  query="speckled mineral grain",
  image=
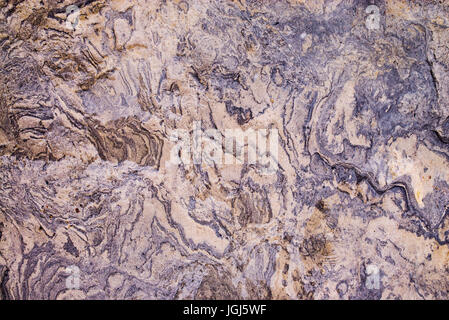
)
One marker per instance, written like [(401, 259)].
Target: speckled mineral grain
[(117, 180)]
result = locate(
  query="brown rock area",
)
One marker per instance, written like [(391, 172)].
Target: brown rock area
[(224, 149)]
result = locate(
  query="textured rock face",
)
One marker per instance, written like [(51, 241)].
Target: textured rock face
[(354, 101)]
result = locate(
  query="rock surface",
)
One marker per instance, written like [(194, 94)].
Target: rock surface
[(91, 100)]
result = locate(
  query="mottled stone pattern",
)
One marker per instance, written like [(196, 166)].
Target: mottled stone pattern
[(92, 208)]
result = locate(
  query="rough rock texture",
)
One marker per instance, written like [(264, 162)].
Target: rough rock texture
[(91, 207)]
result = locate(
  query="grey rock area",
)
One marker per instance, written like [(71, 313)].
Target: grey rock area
[(95, 94)]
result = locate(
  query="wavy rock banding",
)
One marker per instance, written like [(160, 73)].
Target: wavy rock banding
[(91, 206)]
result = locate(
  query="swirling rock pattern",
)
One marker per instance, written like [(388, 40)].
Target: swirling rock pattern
[(92, 208)]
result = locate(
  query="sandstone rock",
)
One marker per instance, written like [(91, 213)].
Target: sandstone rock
[(353, 202)]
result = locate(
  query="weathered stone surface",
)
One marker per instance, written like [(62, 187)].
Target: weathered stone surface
[(91, 205)]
